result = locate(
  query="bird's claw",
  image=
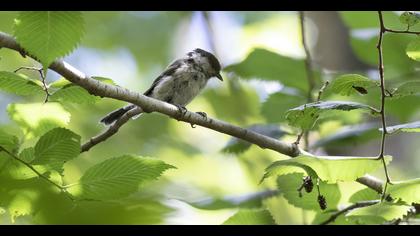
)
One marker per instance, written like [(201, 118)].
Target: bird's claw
[(182, 110), (203, 114)]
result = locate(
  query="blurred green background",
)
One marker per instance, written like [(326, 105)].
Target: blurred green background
[(132, 48)]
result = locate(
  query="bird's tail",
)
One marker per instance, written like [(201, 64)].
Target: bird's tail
[(115, 115)]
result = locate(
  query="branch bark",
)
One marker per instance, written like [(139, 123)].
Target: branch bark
[(98, 88), (112, 129)]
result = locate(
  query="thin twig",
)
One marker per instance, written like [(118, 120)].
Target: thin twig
[(401, 31), (41, 73), (309, 72), (334, 216), (383, 96), (112, 129), (308, 60), (209, 31), (321, 91)]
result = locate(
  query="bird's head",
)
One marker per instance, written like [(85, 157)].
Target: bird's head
[(207, 61)]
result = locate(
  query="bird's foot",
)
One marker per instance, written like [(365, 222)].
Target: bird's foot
[(182, 110), (203, 114)]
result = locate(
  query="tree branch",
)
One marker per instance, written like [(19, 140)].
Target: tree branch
[(112, 129), (308, 61), (383, 97), (98, 88), (309, 75), (334, 216)]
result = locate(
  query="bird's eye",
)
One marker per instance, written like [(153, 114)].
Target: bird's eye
[(190, 54), (190, 60)]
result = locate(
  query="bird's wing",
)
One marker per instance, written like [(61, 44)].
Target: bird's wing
[(169, 71)]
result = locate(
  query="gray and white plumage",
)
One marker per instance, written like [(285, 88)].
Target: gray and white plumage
[(180, 83)]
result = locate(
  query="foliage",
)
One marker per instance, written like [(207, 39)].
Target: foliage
[(351, 84), (250, 217), (45, 179), (327, 168), (306, 115), (117, 177), (49, 35)]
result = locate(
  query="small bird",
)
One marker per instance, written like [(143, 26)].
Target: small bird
[(180, 83)]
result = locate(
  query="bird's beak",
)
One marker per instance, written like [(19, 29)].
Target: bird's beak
[(219, 77)]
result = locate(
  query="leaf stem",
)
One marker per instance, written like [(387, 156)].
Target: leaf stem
[(32, 168)]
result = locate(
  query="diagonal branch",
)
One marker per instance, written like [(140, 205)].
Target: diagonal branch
[(101, 89), (98, 88), (112, 129), (31, 167), (334, 216)]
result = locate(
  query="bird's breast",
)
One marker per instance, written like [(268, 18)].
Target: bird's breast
[(181, 88)]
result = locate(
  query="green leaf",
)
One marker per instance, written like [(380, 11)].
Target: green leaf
[(406, 89), (117, 177), (409, 18), (22, 203), (61, 82), (56, 147), (11, 144), (8, 141), (74, 93), (37, 118), (413, 50), (397, 62), (379, 213), (288, 185), (349, 135), (266, 65), (408, 127), (19, 171), (49, 35), (11, 167), (398, 108), (253, 200), (368, 19), (328, 168), (27, 154), (350, 84), (365, 194), (408, 190), (275, 107), (250, 217), (306, 115), (18, 84), (236, 145), (321, 217)]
